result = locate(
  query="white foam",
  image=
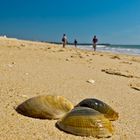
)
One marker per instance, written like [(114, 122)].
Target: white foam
[(117, 49)]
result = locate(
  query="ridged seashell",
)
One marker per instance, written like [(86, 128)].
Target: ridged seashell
[(45, 107), (84, 121), (101, 107)]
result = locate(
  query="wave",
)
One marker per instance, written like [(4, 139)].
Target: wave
[(125, 49)]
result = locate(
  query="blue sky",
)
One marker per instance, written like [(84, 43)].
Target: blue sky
[(113, 21)]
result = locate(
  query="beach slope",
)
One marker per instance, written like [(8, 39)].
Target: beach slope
[(29, 69)]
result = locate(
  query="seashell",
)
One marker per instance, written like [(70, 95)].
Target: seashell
[(45, 107), (101, 107), (84, 121), (91, 81)]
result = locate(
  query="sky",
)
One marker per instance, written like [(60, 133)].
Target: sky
[(112, 21)]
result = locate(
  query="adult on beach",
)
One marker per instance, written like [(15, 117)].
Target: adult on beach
[(64, 40), (75, 43), (95, 40)]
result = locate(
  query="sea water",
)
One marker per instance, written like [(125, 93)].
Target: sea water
[(125, 49)]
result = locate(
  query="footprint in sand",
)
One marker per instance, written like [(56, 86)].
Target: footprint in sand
[(115, 57), (61, 50), (80, 56), (67, 59), (49, 48)]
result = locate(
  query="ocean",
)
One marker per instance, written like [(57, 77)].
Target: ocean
[(124, 49)]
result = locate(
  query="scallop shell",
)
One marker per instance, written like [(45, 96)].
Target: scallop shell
[(84, 121), (101, 107), (45, 107)]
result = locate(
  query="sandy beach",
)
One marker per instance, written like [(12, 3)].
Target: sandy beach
[(29, 69)]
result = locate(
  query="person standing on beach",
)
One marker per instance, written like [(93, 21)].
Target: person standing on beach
[(75, 43), (64, 40), (95, 40)]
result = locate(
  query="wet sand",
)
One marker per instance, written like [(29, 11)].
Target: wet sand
[(29, 69)]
